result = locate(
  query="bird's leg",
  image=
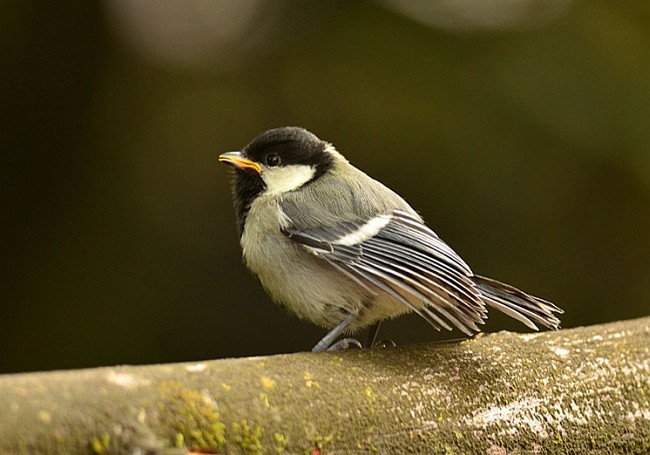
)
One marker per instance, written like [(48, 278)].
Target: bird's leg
[(373, 332), (327, 341), (372, 338)]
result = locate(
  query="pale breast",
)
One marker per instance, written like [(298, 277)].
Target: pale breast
[(303, 283)]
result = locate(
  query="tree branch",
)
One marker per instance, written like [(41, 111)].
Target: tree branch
[(584, 390)]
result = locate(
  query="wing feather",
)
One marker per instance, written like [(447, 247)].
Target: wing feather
[(371, 276), (427, 266), (416, 277), (405, 260)]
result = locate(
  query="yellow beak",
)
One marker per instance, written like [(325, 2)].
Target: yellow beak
[(236, 160)]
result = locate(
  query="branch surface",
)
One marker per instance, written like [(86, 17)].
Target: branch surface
[(583, 390)]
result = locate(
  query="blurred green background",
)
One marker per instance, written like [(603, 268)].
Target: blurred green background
[(519, 129)]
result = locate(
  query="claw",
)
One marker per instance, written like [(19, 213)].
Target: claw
[(346, 343), (384, 344)]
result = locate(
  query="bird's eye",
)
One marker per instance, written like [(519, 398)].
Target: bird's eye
[(273, 159)]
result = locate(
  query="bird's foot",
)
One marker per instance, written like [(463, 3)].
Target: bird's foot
[(346, 343), (384, 344)]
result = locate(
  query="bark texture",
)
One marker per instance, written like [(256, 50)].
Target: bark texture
[(583, 390)]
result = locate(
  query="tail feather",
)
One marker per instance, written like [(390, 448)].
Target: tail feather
[(517, 304)]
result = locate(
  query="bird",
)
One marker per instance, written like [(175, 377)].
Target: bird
[(341, 250)]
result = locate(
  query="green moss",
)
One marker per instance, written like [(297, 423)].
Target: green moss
[(280, 442), (191, 416), (371, 396), (100, 445), (322, 442), (249, 437), (180, 440)]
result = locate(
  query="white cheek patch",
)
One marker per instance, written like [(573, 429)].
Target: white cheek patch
[(368, 230), (286, 178)]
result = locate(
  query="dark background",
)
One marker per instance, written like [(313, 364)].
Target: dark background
[(520, 130)]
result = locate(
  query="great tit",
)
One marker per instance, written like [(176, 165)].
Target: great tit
[(341, 250)]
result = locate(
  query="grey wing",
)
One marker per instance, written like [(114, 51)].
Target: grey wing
[(396, 254)]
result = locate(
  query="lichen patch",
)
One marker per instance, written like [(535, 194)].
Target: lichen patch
[(126, 380)]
